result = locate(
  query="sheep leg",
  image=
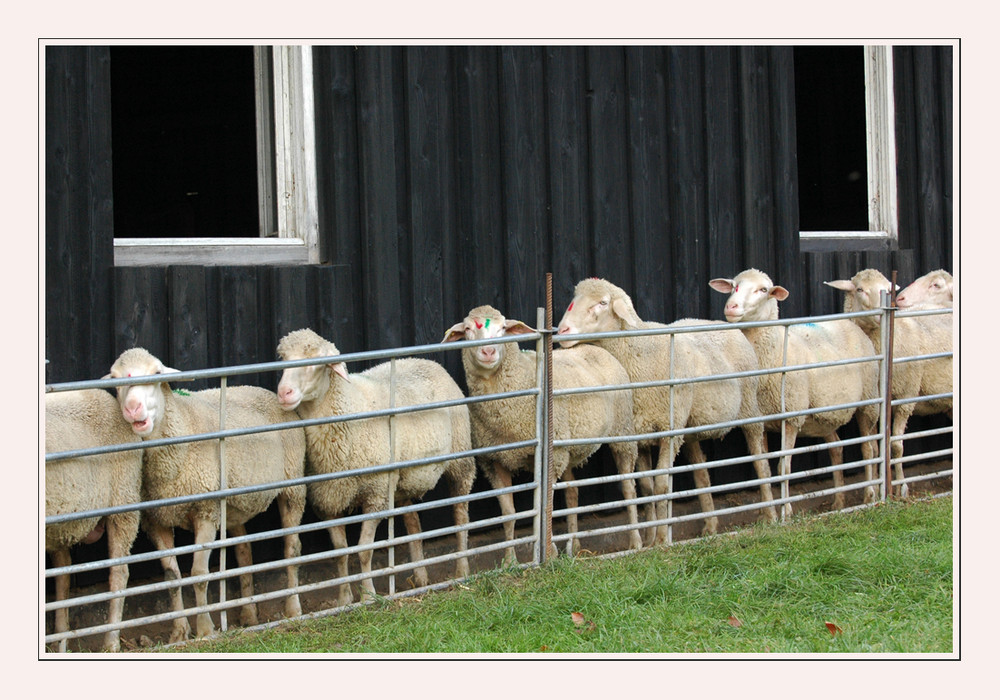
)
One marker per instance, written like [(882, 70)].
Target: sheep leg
[(836, 458), (696, 455), (757, 444), (900, 416), (500, 478), (412, 521), (163, 539), (60, 558), (571, 495), (462, 486), (646, 487), (290, 508), (624, 454), (244, 558), (669, 447), (121, 531), (785, 464), (338, 535), (204, 532), (367, 537), (867, 423)]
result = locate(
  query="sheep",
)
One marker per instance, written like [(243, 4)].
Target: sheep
[(600, 306), (77, 420), (918, 335), (317, 391), (500, 368), (754, 297), (154, 411), (932, 291)]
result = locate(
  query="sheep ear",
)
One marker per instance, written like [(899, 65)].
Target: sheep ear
[(456, 332), (842, 285), (721, 284), (341, 369), (514, 327), (170, 370), (778, 292), (624, 310)]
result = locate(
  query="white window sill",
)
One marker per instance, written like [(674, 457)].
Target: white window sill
[(139, 252), (836, 241)]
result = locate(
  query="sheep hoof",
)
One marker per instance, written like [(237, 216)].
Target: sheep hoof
[(292, 607), (838, 502), (248, 616), (711, 527), (786, 510), (904, 491), (635, 541), (869, 494), (181, 631)]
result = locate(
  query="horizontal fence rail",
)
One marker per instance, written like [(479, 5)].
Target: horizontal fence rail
[(601, 522)]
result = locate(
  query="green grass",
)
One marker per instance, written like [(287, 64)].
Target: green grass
[(882, 576)]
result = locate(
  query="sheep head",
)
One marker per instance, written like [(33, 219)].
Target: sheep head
[(933, 290), (863, 293), (310, 382), (485, 322), (752, 296), (142, 405), (598, 306)]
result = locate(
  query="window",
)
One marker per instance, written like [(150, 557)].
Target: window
[(214, 155), (846, 148)]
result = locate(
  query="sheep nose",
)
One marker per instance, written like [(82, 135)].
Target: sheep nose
[(488, 353), (732, 307), (133, 409), (565, 328)]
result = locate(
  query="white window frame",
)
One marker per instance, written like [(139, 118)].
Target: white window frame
[(292, 237), (880, 118)]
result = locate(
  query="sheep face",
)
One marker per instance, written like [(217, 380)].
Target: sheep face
[(482, 323), (597, 307), (142, 405), (935, 289), (309, 383), (862, 293), (752, 296)]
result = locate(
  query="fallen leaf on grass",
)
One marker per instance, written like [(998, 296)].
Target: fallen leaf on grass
[(834, 629), (735, 621), (582, 623)]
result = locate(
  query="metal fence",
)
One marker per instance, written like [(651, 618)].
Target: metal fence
[(601, 522)]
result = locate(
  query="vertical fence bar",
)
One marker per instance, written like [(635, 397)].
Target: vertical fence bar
[(549, 413), (670, 461), (392, 480), (541, 526), (887, 334), (785, 461), (223, 618)]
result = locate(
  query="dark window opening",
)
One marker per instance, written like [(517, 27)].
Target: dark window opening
[(831, 138), (184, 142)]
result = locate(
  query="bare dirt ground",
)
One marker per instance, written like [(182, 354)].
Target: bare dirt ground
[(326, 598)]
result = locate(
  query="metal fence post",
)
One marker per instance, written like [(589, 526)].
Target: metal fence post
[(542, 523), (223, 618), (888, 321)]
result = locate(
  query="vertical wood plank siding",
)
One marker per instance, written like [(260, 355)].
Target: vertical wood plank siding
[(455, 176)]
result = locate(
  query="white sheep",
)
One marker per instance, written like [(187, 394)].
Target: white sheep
[(185, 469), (502, 368), (600, 306), (77, 420), (931, 291), (917, 335), (317, 391), (754, 297)]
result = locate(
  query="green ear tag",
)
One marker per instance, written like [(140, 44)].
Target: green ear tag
[(181, 392)]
